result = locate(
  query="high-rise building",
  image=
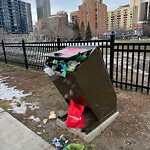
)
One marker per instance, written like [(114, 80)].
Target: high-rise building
[(13, 16), (29, 17), (120, 19), (23, 17), (94, 12), (136, 5), (43, 9), (145, 11)]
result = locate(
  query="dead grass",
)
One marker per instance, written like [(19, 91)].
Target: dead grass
[(131, 130)]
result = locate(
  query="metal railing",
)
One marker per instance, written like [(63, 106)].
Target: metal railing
[(128, 64)]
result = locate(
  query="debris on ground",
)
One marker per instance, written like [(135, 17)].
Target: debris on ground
[(34, 119), (62, 143), (45, 121), (62, 113), (52, 115), (131, 129)]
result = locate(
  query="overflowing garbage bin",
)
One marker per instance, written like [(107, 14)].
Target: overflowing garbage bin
[(80, 75)]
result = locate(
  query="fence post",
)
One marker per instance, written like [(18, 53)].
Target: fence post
[(25, 55), (112, 56), (3, 47), (58, 42)]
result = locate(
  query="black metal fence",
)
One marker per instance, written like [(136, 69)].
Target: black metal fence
[(128, 64), (132, 66)]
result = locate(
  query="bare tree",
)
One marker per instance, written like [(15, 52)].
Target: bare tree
[(65, 33)]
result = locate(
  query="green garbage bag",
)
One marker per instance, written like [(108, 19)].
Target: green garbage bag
[(75, 147), (81, 58)]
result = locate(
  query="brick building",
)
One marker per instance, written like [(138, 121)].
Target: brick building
[(94, 12), (75, 17)]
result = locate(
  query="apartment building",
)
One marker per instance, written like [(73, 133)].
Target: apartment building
[(59, 20), (145, 11), (29, 17), (23, 17), (13, 16), (75, 17), (94, 12), (120, 19), (136, 5)]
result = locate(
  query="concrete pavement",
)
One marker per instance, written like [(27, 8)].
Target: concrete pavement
[(15, 136)]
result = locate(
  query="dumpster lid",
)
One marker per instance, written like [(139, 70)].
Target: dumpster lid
[(69, 52)]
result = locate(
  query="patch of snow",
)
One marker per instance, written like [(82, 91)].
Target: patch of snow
[(14, 95), (10, 93), (19, 109)]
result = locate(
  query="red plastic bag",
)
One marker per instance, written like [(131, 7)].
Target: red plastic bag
[(75, 119)]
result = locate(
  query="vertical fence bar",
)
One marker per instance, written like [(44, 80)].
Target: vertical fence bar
[(144, 59), (58, 43), (137, 71), (122, 66), (112, 56), (131, 86), (102, 49), (3, 46), (25, 55), (106, 52), (148, 84), (117, 66), (127, 64)]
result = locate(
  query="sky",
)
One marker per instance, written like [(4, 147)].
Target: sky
[(72, 5)]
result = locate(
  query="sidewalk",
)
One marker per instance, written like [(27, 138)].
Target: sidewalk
[(15, 136)]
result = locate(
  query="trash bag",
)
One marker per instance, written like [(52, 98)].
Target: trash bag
[(75, 147), (75, 119)]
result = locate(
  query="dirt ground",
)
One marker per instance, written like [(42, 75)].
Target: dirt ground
[(131, 129)]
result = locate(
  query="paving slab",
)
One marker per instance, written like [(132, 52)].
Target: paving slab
[(16, 136)]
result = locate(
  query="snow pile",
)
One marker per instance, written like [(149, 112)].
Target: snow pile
[(14, 95), (10, 93), (19, 109)]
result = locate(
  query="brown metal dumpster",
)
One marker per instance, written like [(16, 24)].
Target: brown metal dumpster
[(79, 73)]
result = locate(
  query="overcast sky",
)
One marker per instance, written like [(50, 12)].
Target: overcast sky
[(72, 5)]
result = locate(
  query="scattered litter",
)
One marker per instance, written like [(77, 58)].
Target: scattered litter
[(45, 121), (60, 143), (52, 115), (35, 120), (64, 139), (39, 126), (62, 113), (39, 133), (34, 106)]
